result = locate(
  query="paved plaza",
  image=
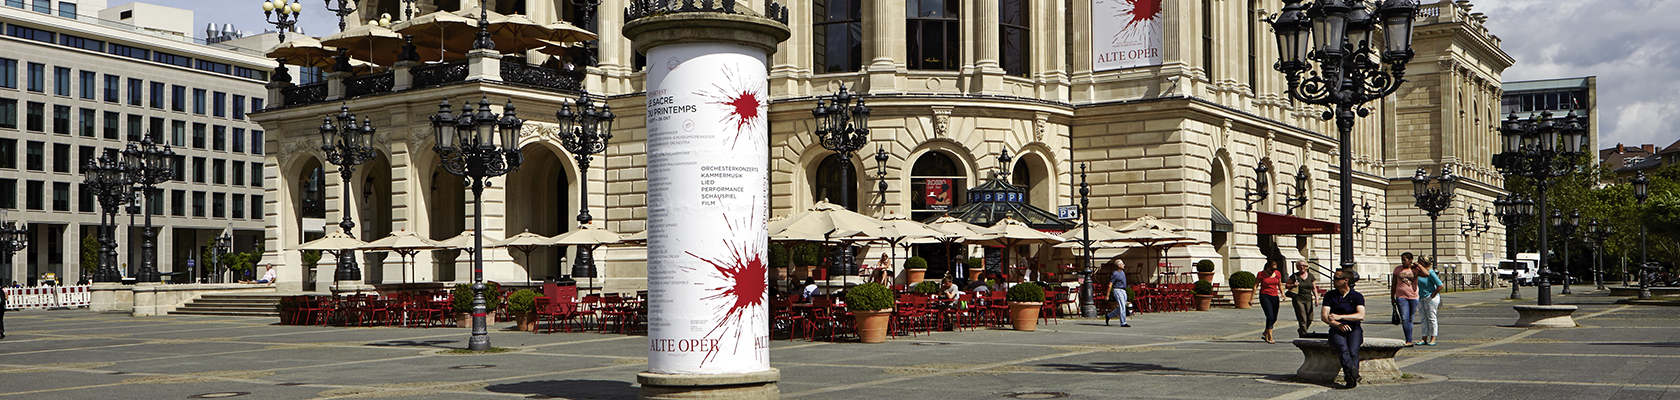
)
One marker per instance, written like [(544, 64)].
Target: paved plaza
[(1621, 352)]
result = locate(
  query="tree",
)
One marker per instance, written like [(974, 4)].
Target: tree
[(90, 254)]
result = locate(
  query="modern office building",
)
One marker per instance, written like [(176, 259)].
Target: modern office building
[(1560, 97), (1169, 105), (78, 81)]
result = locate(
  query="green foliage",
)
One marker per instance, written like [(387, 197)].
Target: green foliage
[(974, 263), (1026, 292), (926, 287), (1204, 266), (778, 255), (1242, 279), (807, 254), (90, 253), (1598, 192), (464, 295), (237, 262), (522, 301), (915, 263), (1203, 288), (1131, 295), (870, 297), (311, 258)]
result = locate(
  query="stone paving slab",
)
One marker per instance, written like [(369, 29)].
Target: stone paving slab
[(1621, 351)]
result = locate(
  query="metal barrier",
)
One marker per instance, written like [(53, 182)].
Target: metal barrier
[(48, 297)]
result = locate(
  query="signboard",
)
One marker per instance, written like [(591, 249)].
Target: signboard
[(938, 193), (708, 206), (1125, 34), (1067, 212)]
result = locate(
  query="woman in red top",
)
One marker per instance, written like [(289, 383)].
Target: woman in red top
[(1271, 285)]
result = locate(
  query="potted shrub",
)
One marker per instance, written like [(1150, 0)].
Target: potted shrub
[(926, 287), (807, 256), (872, 305), (1204, 270), (779, 259), (1242, 288), (1204, 295), (462, 303), (523, 305), (975, 267), (1024, 301), (288, 309), (916, 269)]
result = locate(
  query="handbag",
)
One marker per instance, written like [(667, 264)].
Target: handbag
[(1395, 315)]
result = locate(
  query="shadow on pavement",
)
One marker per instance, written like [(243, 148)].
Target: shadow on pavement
[(571, 389), (1124, 367), (1657, 344), (410, 343)]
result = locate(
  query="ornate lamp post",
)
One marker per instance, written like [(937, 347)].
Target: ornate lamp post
[(584, 134), (843, 128), (1299, 198), (148, 166), (1087, 305), (13, 238), (1540, 149), (590, 47), (346, 145), (1514, 211), (107, 180), (1262, 184), (223, 246), (1640, 187), (881, 172), (345, 8), (285, 22), (1566, 228), (478, 146), (1598, 236), (1433, 200), (1351, 69)]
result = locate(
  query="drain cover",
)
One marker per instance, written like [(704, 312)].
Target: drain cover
[(1036, 395), (933, 344), (475, 366), (217, 395)]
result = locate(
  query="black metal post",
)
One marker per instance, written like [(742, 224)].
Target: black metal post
[(480, 339), (345, 8), (478, 146), (1087, 305), (584, 134), (1640, 187), (1545, 284)]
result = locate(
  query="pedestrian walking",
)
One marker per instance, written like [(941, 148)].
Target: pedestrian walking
[(1271, 285), (1429, 291), (1304, 296), (1402, 287), (1343, 310), (1117, 285)]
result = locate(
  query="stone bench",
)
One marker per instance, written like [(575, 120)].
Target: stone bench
[(1545, 316), (1322, 364)]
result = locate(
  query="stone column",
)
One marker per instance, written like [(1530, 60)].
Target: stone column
[(708, 190), (884, 20), (987, 68)]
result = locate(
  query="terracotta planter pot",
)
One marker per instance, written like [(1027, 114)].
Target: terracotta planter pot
[(463, 320), (872, 325), (916, 275), (1242, 297), (1024, 315), (525, 322), (1204, 302), (1206, 276), (974, 273)]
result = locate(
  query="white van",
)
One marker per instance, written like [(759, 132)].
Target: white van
[(1526, 268)]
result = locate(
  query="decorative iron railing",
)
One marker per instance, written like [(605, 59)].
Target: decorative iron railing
[(437, 74), (368, 84), (647, 8), (305, 94), (515, 70)]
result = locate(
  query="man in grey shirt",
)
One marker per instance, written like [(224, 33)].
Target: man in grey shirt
[(1117, 285)]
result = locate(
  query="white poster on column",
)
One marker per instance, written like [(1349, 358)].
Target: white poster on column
[(708, 206), (1125, 34)]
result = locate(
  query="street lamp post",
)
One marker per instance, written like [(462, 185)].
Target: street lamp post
[(478, 146), (1433, 200), (345, 8), (584, 133), (842, 128), (106, 179), (1598, 236), (284, 22), (1640, 187), (223, 246), (1352, 70), (1514, 211), (1262, 185), (1087, 305), (13, 238), (591, 48), (346, 145), (881, 172), (148, 166), (1541, 148), (1299, 198), (1566, 228)]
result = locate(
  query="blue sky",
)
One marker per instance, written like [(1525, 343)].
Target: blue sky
[(1626, 43)]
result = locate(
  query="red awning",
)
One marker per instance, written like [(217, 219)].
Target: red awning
[(1284, 224)]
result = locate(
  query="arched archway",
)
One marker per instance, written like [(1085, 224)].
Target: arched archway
[(1221, 201), (446, 196), (1033, 172), (373, 202), (827, 182), (542, 198)]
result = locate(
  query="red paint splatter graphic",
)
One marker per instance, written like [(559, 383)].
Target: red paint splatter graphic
[(1141, 17), (743, 293), (742, 101)]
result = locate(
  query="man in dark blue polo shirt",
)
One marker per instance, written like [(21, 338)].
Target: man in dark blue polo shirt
[(1343, 310)]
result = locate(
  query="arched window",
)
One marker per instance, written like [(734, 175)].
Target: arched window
[(314, 193), (933, 39), (936, 185), (838, 36), (1015, 39), (827, 184)]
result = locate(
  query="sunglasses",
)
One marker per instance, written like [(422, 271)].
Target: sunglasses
[(1341, 279)]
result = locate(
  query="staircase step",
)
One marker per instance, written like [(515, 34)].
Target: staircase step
[(226, 313), (249, 305)]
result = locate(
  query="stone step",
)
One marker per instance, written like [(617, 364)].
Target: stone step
[(226, 313), (250, 305)]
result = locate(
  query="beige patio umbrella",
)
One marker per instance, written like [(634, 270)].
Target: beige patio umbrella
[(526, 242), (590, 237), (1012, 233), (959, 231), (333, 242), (905, 231), (636, 238), (832, 223), (450, 34), (517, 33), (304, 51), (1102, 237), (405, 243), (1156, 235), (463, 241), (371, 43), (565, 32)]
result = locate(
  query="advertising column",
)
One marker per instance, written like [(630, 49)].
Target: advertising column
[(708, 206)]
